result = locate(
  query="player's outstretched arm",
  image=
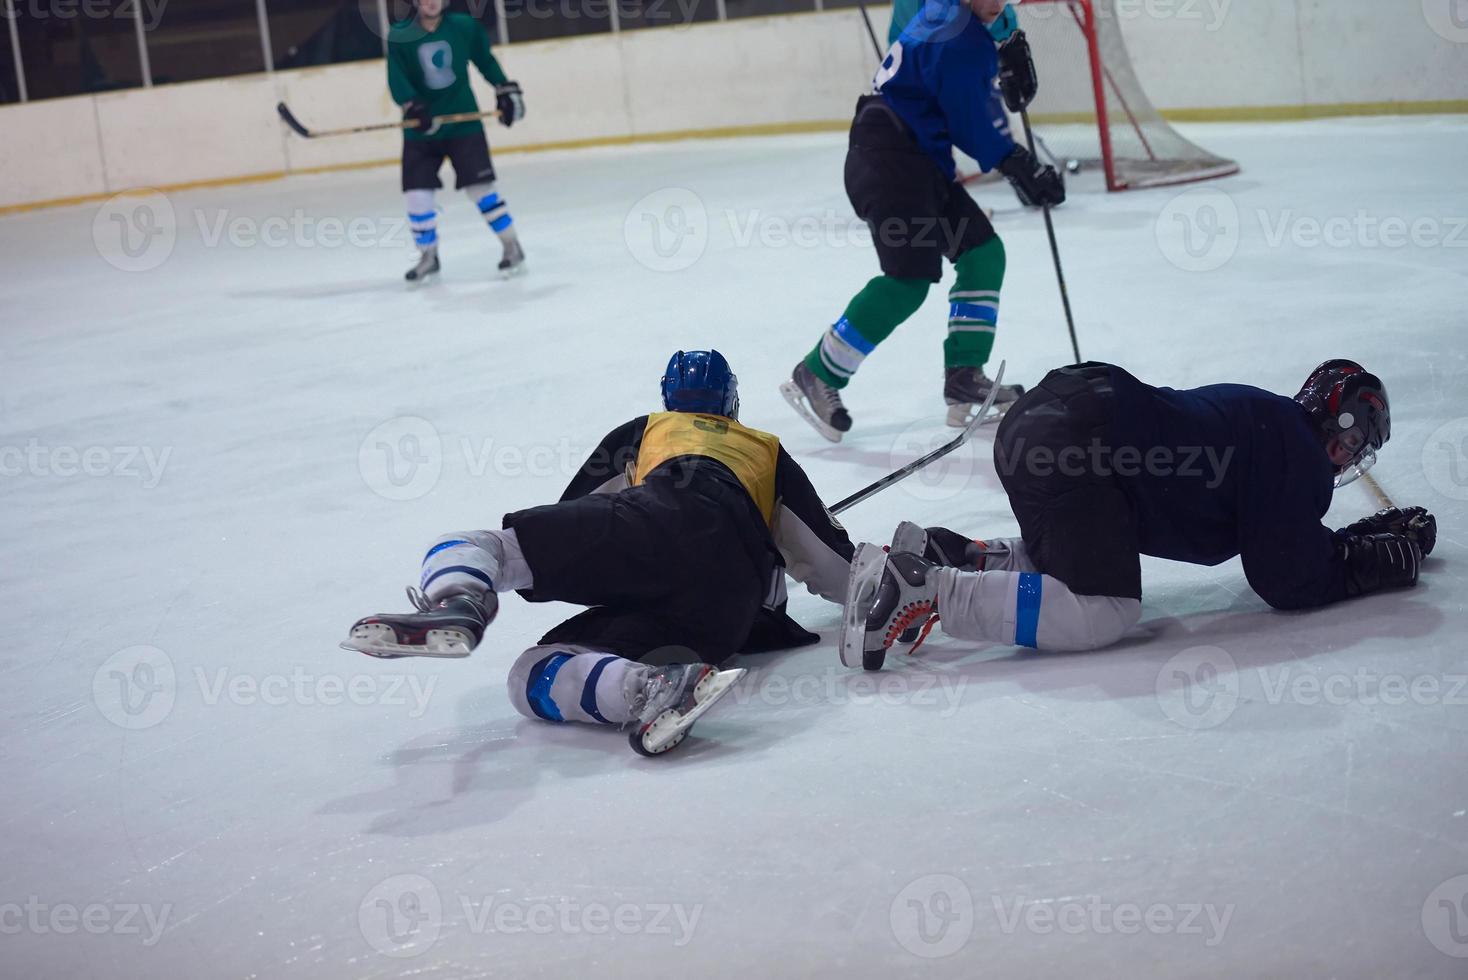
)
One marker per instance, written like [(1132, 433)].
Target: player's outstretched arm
[(816, 548)]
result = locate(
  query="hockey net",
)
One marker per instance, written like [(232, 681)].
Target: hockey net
[(1092, 111)]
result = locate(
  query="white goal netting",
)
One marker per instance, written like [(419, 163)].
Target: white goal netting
[(1092, 109)]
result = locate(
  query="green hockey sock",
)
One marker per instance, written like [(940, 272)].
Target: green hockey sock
[(870, 317), (973, 312)]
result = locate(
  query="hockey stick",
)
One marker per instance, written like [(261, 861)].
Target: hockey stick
[(295, 124), (898, 476), (870, 32), (1377, 491), (1075, 346)]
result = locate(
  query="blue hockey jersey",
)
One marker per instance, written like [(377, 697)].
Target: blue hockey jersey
[(939, 77), (1233, 470)]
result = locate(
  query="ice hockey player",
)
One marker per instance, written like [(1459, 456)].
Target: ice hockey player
[(931, 94), (1101, 468), (677, 532), (428, 58)]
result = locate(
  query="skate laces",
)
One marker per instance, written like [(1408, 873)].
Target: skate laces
[(909, 615), (419, 600), (927, 628)]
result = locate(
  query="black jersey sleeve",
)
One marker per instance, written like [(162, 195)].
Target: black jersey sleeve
[(816, 548), (605, 469), (1290, 557)]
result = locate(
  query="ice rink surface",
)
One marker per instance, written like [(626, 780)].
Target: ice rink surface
[(227, 435)]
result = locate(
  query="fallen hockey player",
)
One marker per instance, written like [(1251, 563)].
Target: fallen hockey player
[(1101, 469), (677, 532)]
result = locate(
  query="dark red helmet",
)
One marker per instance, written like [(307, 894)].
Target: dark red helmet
[(1348, 407)]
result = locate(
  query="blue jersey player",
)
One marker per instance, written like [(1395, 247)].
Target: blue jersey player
[(932, 94), (1101, 468)]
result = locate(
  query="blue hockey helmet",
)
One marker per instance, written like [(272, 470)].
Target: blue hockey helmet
[(701, 381)]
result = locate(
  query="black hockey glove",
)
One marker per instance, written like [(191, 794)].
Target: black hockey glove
[(1413, 523), (1378, 561), (1017, 79), (950, 549), (510, 103), (417, 111), (1036, 184)]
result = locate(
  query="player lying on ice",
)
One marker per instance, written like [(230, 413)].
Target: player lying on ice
[(677, 532), (1101, 469)]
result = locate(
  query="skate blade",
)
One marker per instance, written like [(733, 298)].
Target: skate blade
[(796, 398), (961, 415), (669, 728), (514, 272), (377, 640), (861, 595)]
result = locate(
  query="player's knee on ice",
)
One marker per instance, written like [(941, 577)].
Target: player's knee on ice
[(574, 683), (1031, 610)]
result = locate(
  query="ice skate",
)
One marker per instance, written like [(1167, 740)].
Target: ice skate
[(671, 700), (451, 627), (513, 263), (967, 388), (816, 402), (887, 597), (913, 539), (427, 266)]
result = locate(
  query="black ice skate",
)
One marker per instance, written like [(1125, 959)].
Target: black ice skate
[(427, 266), (451, 627), (966, 388), (885, 598), (671, 700), (816, 402), (513, 263)]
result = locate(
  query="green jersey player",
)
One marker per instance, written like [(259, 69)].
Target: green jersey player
[(428, 58)]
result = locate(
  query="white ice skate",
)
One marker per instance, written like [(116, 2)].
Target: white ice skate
[(672, 699)]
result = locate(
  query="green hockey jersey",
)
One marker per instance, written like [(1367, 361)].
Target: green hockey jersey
[(434, 67)]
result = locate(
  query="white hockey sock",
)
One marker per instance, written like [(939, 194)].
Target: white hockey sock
[(494, 209), (1030, 610), (574, 683), (422, 218), (475, 562)]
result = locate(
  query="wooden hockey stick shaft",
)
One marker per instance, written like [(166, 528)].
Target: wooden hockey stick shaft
[(290, 120), (1377, 491), (1070, 321)]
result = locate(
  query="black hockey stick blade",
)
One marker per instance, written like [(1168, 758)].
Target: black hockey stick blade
[(291, 120), (898, 476)]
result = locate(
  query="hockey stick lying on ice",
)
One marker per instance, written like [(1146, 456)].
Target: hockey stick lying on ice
[(295, 124), (898, 476)]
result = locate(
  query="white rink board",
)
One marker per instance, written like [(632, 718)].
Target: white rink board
[(781, 71)]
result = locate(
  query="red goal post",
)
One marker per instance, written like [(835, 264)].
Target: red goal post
[(1093, 111)]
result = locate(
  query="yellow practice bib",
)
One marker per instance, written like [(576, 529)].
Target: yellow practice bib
[(751, 455)]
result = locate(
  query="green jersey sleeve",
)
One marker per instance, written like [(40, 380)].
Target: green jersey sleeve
[(484, 58)]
